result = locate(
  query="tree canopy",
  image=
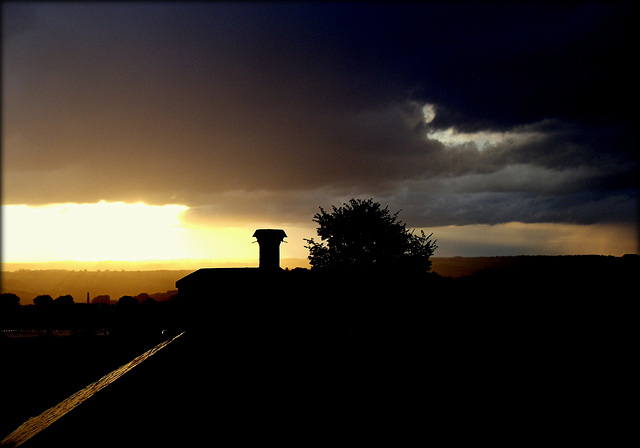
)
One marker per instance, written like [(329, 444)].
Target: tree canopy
[(361, 235), (43, 301)]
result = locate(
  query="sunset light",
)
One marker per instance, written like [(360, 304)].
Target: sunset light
[(172, 131), (315, 194), (117, 231), (84, 232)]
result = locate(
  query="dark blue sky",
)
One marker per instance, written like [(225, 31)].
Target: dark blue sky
[(456, 113)]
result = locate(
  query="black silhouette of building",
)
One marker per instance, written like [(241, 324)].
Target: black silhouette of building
[(233, 285)]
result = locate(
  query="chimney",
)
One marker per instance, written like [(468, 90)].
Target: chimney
[(269, 241)]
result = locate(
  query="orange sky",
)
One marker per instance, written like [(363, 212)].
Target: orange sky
[(139, 232), (136, 131)]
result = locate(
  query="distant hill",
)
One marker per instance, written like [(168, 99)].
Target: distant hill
[(28, 284), (462, 266)]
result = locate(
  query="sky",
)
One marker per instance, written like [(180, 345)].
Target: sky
[(142, 130)]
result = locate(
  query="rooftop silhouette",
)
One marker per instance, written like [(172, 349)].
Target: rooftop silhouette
[(239, 283)]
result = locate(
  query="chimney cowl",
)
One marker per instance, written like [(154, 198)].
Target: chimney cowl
[(269, 241), (270, 234)]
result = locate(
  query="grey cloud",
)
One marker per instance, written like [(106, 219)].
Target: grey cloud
[(247, 113), (17, 18), (264, 208), (512, 178), (519, 193), (441, 209)]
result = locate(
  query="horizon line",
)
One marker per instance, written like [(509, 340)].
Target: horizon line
[(180, 264)]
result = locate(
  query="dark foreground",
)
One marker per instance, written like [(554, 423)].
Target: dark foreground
[(485, 386), (478, 364)]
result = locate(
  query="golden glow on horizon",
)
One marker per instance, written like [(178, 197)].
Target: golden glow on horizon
[(140, 232), (125, 232), (102, 231)]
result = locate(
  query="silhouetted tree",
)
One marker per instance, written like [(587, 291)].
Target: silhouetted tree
[(64, 301), (361, 235), (126, 302), (43, 301), (9, 302)]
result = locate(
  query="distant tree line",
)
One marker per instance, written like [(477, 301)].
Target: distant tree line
[(11, 301), (128, 316)]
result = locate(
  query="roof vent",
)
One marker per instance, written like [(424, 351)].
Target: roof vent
[(269, 241)]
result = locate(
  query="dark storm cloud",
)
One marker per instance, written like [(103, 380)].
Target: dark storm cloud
[(22, 17), (430, 209), (504, 65), (270, 110)]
